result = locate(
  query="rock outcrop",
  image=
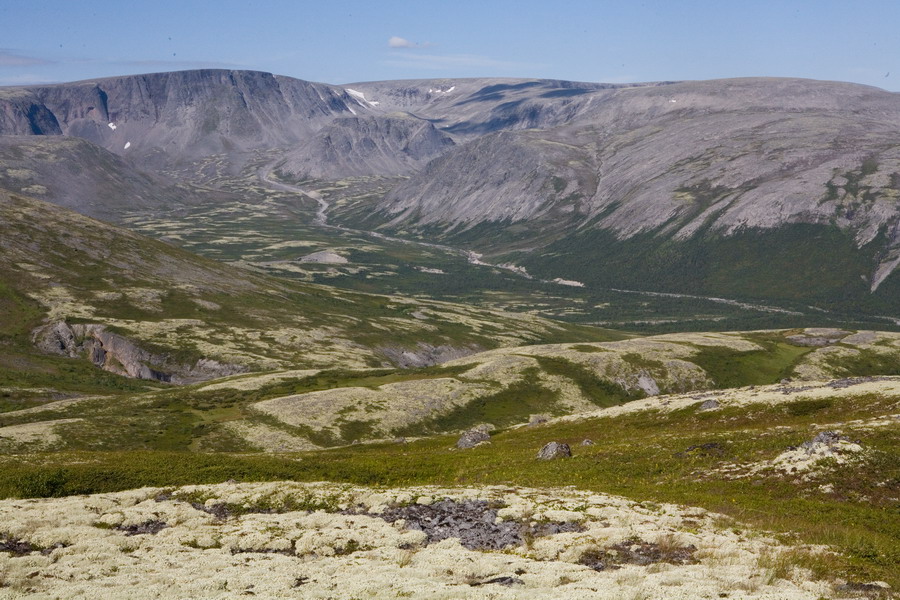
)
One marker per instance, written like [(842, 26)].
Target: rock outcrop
[(117, 354), (178, 116), (554, 450), (472, 438)]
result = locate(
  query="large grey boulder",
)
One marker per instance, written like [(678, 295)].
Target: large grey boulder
[(554, 450), (472, 438)]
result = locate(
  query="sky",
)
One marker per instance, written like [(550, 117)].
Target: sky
[(347, 41)]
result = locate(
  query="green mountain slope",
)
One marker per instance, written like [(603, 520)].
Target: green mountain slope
[(186, 311)]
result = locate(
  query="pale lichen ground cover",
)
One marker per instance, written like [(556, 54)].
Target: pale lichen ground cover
[(644, 365), (780, 393), (256, 381), (42, 433), (355, 554), (389, 407)]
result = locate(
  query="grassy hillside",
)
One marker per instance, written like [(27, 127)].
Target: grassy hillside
[(294, 410), (739, 458), (60, 266)]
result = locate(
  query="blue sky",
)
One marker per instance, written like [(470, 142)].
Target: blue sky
[(343, 42)]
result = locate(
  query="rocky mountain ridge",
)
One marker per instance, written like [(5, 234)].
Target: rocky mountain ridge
[(509, 167)]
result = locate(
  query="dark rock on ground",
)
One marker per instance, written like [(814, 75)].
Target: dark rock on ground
[(707, 449), (219, 511), (506, 580), (828, 438), (16, 546), (151, 527), (710, 405), (554, 450), (635, 551), (538, 419), (473, 522), (872, 590), (472, 438)]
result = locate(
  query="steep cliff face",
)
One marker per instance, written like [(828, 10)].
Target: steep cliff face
[(397, 144), (21, 113), (122, 356), (181, 115)]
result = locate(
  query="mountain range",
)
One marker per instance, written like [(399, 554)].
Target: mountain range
[(768, 189)]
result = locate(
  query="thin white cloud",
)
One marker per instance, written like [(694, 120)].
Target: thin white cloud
[(9, 58), (399, 42)]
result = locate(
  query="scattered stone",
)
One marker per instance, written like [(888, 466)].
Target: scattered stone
[(474, 522), (802, 340), (587, 442), (851, 381), (554, 450), (426, 355), (598, 560), (506, 580), (151, 527), (875, 588), (16, 546), (825, 444), (285, 552), (828, 438), (707, 449), (635, 551), (472, 438), (538, 419), (710, 405), (219, 511), (122, 356)]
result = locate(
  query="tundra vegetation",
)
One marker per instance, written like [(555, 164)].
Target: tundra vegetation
[(276, 368)]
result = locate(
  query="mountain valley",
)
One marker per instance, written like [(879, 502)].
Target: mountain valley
[(246, 318)]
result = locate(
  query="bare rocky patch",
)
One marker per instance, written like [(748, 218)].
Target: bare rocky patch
[(474, 522)]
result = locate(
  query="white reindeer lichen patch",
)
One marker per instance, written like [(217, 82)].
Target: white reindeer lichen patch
[(254, 382), (42, 432), (283, 540), (390, 406), (268, 438)]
